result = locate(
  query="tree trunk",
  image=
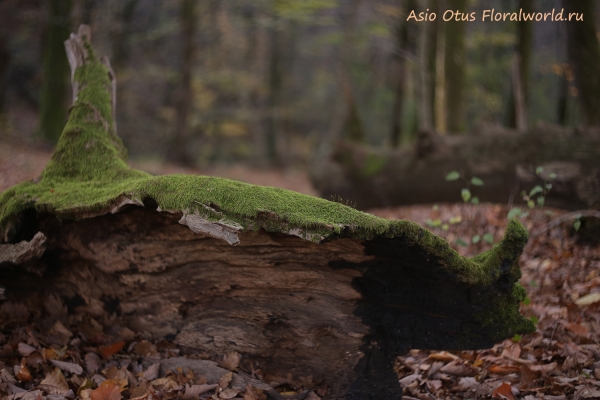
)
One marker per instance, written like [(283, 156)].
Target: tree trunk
[(400, 71), (179, 152), (455, 62), (584, 53), (518, 114), (4, 63), (53, 114), (275, 79), (298, 285), (425, 49), (506, 161)]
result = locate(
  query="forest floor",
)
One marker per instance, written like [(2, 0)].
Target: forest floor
[(561, 360)]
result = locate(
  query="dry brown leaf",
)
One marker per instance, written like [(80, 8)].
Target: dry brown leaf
[(146, 349), (228, 393), (87, 384), (67, 366), (578, 329), (60, 328), (528, 377), (113, 372), (225, 379), (433, 385), (457, 368), (196, 390), (253, 393), (443, 356), (503, 392), (112, 349), (25, 349), (92, 362), (544, 368), (23, 375), (468, 383), (35, 359), (54, 383), (108, 390), (139, 391), (231, 361), (152, 372), (503, 369), (49, 354), (165, 384)]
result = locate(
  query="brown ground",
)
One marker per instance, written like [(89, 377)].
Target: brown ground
[(561, 272)]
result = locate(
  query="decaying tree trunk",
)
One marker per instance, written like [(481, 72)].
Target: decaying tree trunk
[(505, 160), (296, 284)]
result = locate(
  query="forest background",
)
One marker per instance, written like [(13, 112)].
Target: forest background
[(275, 82)]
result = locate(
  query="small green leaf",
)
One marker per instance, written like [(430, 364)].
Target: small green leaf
[(577, 225), (445, 227), (536, 189), (533, 283), (452, 176), (455, 220), (475, 200), (488, 237), (465, 194), (541, 200), (539, 170), (552, 176), (436, 222), (525, 214), (534, 319), (476, 181), (429, 223), (530, 203), (527, 301), (435, 207), (548, 186), (475, 239), (514, 212), (517, 338), (461, 242)]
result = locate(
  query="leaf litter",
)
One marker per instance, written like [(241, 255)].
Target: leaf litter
[(561, 273), (86, 358)]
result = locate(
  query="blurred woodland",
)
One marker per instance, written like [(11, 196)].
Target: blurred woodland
[(278, 82)]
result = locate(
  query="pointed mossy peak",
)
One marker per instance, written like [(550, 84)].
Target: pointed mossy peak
[(89, 148)]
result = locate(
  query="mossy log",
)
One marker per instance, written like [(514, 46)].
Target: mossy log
[(505, 160), (296, 284)]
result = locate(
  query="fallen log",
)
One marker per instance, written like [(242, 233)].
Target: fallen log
[(506, 161), (296, 284)]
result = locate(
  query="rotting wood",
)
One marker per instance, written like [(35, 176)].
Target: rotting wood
[(23, 251), (313, 288), (506, 161)]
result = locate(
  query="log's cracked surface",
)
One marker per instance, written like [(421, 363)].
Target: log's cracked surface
[(312, 288)]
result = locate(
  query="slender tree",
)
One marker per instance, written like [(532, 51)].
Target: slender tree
[(584, 54), (55, 89), (454, 68), (178, 151), (426, 48), (405, 46), (519, 99)]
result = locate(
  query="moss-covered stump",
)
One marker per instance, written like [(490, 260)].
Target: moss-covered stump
[(296, 284)]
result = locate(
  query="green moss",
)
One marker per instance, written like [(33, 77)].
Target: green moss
[(88, 174)]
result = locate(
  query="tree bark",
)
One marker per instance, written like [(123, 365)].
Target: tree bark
[(584, 53), (505, 160), (53, 114)]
